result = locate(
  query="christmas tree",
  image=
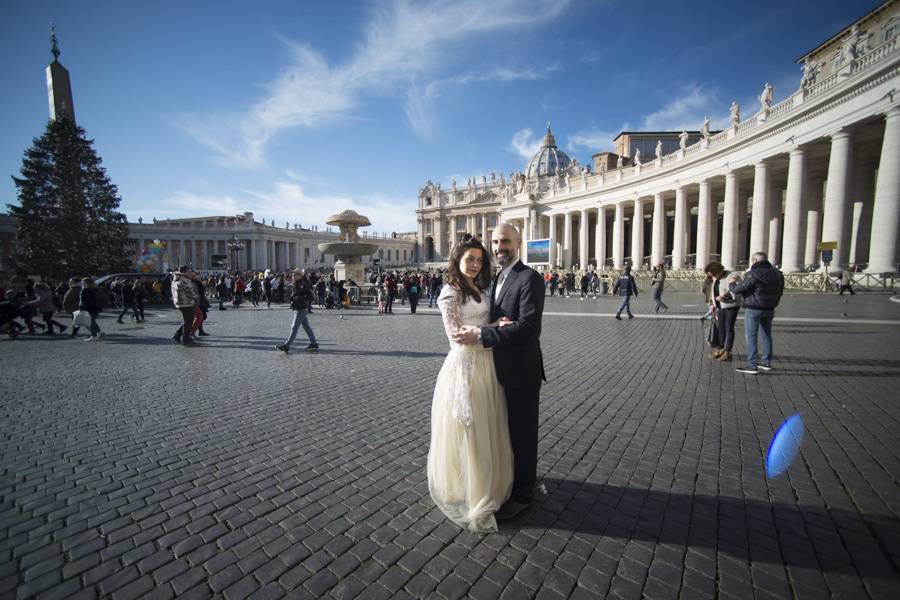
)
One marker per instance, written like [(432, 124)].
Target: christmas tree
[(67, 211)]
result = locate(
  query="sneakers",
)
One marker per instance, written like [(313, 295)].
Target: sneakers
[(89, 338), (618, 317), (283, 348), (312, 348), (748, 370), (764, 367), (630, 316)]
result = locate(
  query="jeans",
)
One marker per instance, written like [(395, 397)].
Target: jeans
[(725, 320), (657, 297), (626, 306), (187, 317), (95, 329), (758, 321), (300, 319), (433, 296)]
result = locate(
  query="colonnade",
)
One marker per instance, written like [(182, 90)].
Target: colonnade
[(781, 205)]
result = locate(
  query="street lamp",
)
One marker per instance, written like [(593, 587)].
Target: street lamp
[(235, 246)]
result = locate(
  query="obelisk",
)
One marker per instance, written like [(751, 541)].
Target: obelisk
[(59, 89)]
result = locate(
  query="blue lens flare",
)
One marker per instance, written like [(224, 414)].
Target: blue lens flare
[(784, 446)]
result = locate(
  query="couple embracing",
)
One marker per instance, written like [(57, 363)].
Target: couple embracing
[(482, 462)]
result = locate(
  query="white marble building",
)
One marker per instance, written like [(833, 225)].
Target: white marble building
[(241, 242), (823, 165)]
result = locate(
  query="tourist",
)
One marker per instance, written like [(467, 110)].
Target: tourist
[(846, 280), (89, 302), (255, 289), (184, 296), (659, 283), (625, 287), (70, 302), (301, 298), (412, 291), (127, 292), (470, 462), (391, 286), (45, 306), (585, 283), (725, 310), (761, 291), (139, 294)]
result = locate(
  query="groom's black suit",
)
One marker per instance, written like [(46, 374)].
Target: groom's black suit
[(520, 366)]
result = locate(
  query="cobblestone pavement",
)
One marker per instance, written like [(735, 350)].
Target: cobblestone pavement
[(134, 468)]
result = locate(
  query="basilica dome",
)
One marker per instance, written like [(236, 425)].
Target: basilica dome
[(548, 159)]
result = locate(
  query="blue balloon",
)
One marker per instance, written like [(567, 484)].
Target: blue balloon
[(784, 446)]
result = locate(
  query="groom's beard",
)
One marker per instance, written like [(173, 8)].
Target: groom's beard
[(504, 259)]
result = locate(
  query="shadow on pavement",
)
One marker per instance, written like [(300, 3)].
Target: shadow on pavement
[(834, 540)]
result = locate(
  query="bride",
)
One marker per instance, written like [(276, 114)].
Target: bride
[(470, 463)]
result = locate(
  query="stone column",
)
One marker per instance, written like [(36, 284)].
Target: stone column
[(523, 239), (618, 249), (759, 227), (438, 236), (484, 229), (792, 249), (704, 208), (452, 234), (552, 236), (659, 230), (861, 233), (774, 249), (637, 234), (813, 208), (600, 237), (714, 227), (886, 207), (729, 222), (679, 244), (836, 217), (567, 240), (584, 240)]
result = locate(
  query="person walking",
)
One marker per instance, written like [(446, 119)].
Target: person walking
[(46, 307), (127, 288), (139, 294), (517, 297), (846, 280), (659, 283), (761, 291), (412, 291), (625, 287), (184, 296), (301, 299), (89, 301)]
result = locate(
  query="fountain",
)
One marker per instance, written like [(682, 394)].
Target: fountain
[(348, 249)]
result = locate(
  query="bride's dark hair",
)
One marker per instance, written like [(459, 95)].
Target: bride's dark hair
[(455, 277)]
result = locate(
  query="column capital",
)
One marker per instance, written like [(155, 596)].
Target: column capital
[(893, 112), (840, 134), (797, 151)]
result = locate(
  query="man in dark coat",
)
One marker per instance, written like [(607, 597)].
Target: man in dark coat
[(760, 291), (517, 295)]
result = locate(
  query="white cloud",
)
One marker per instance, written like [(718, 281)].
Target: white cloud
[(523, 144), (288, 201), (404, 42), (687, 110), (593, 140)]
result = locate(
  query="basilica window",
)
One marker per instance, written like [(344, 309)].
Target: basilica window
[(427, 200), (492, 221), (428, 225), (460, 223)]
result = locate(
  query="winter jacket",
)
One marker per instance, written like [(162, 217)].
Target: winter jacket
[(88, 300), (726, 284), (70, 300), (625, 285), (183, 292), (44, 301), (302, 295), (761, 287)]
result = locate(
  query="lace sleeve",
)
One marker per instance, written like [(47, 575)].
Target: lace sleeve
[(451, 311)]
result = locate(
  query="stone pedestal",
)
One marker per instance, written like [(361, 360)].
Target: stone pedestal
[(349, 267)]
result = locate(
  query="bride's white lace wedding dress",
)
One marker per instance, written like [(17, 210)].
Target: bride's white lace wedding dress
[(470, 462)]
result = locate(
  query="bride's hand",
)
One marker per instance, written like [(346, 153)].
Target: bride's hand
[(501, 322)]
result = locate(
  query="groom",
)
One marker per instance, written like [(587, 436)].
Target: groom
[(518, 295)]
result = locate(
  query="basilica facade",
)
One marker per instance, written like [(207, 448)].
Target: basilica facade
[(817, 171)]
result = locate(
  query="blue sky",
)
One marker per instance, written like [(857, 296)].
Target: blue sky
[(295, 110)]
